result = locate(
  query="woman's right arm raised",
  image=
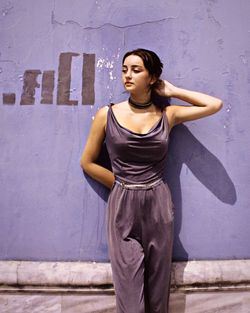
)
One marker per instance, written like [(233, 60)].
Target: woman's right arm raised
[(92, 150)]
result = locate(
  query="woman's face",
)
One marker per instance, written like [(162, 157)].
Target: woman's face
[(135, 76)]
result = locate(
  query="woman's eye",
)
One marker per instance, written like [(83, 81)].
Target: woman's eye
[(135, 71)]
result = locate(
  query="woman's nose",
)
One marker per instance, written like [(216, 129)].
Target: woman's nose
[(128, 74)]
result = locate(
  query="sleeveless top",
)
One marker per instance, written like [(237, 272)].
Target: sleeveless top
[(137, 158)]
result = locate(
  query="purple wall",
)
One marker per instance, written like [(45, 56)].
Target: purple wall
[(59, 62)]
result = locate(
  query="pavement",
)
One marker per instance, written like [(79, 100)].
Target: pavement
[(193, 302)]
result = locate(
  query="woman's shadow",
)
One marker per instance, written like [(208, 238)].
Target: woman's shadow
[(184, 148)]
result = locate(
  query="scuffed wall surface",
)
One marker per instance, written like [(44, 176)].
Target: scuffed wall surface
[(59, 62)]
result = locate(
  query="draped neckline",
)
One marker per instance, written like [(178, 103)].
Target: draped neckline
[(131, 131)]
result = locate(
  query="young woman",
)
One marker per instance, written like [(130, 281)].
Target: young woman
[(140, 210)]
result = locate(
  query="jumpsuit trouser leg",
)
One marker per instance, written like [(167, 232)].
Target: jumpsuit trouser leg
[(140, 236)]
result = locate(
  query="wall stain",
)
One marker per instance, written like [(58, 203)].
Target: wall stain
[(64, 79), (29, 86), (88, 79), (48, 87), (9, 98), (210, 14), (30, 83)]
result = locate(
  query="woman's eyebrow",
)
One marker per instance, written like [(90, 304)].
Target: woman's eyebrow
[(133, 66)]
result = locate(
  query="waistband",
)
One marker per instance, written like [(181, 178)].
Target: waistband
[(138, 186)]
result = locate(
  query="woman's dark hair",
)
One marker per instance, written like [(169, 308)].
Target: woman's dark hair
[(150, 60), (154, 66)]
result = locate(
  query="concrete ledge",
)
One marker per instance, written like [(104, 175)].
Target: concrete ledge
[(211, 272), (84, 274), (54, 273)]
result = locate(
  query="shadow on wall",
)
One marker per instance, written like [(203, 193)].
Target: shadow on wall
[(103, 160), (184, 148)]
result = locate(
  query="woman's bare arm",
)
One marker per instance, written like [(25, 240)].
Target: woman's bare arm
[(202, 104), (92, 150)]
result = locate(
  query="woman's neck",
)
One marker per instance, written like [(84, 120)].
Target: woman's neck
[(141, 98), (139, 105)]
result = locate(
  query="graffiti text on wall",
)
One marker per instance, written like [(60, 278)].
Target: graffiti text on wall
[(63, 83)]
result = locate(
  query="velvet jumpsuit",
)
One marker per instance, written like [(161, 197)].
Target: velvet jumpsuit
[(140, 217)]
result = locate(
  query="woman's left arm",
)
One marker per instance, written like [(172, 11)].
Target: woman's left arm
[(202, 104)]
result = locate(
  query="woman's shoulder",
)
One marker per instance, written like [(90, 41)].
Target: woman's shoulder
[(101, 115), (104, 109), (118, 105), (102, 112)]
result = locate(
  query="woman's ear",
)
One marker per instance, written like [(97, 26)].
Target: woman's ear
[(156, 83), (153, 81)]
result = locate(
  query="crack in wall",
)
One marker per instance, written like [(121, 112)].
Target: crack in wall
[(71, 22), (10, 61)]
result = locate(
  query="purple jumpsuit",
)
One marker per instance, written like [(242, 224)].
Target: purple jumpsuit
[(139, 217)]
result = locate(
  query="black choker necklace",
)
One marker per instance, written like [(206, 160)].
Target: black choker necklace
[(139, 105)]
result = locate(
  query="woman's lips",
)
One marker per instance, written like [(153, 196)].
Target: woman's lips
[(128, 83)]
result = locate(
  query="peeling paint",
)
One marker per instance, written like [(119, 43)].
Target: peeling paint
[(220, 43), (111, 77), (229, 108), (7, 10), (244, 57), (104, 63)]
